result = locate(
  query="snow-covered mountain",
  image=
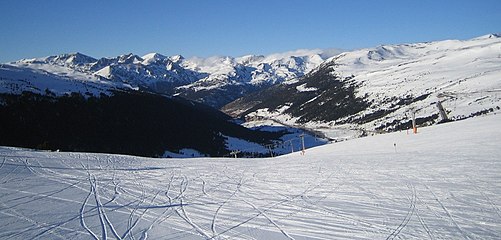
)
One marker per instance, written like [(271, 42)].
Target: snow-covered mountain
[(439, 184), (50, 107), (214, 81), (374, 89), (380, 88), (43, 78)]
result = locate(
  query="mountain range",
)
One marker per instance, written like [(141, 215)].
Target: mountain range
[(214, 81), (339, 94)]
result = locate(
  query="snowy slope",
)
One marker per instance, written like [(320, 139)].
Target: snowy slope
[(55, 79), (464, 75), (442, 183), (391, 82)]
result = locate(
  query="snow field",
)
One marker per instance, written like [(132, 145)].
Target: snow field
[(442, 183)]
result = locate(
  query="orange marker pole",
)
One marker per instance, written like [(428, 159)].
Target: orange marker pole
[(414, 127)]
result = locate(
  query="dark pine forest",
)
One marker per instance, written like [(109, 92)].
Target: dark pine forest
[(136, 123)]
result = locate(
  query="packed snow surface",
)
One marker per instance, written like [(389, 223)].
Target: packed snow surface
[(442, 183)]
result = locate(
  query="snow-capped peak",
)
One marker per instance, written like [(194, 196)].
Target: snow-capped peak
[(304, 53), (67, 59), (176, 58), (152, 57), (75, 58), (249, 59), (129, 58)]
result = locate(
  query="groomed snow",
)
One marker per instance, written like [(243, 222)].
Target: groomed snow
[(442, 183)]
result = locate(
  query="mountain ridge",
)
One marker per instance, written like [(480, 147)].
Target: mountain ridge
[(176, 75)]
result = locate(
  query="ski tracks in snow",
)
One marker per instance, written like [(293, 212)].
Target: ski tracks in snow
[(269, 219), (3, 162), (213, 225), (119, 197), (82, 211), (408, 216), (489, 200), (447, 212)]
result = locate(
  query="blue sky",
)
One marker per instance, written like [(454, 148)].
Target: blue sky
[(232, 27)]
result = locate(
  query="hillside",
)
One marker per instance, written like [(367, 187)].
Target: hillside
[(379, 89), (442, 183), (132, 122)]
